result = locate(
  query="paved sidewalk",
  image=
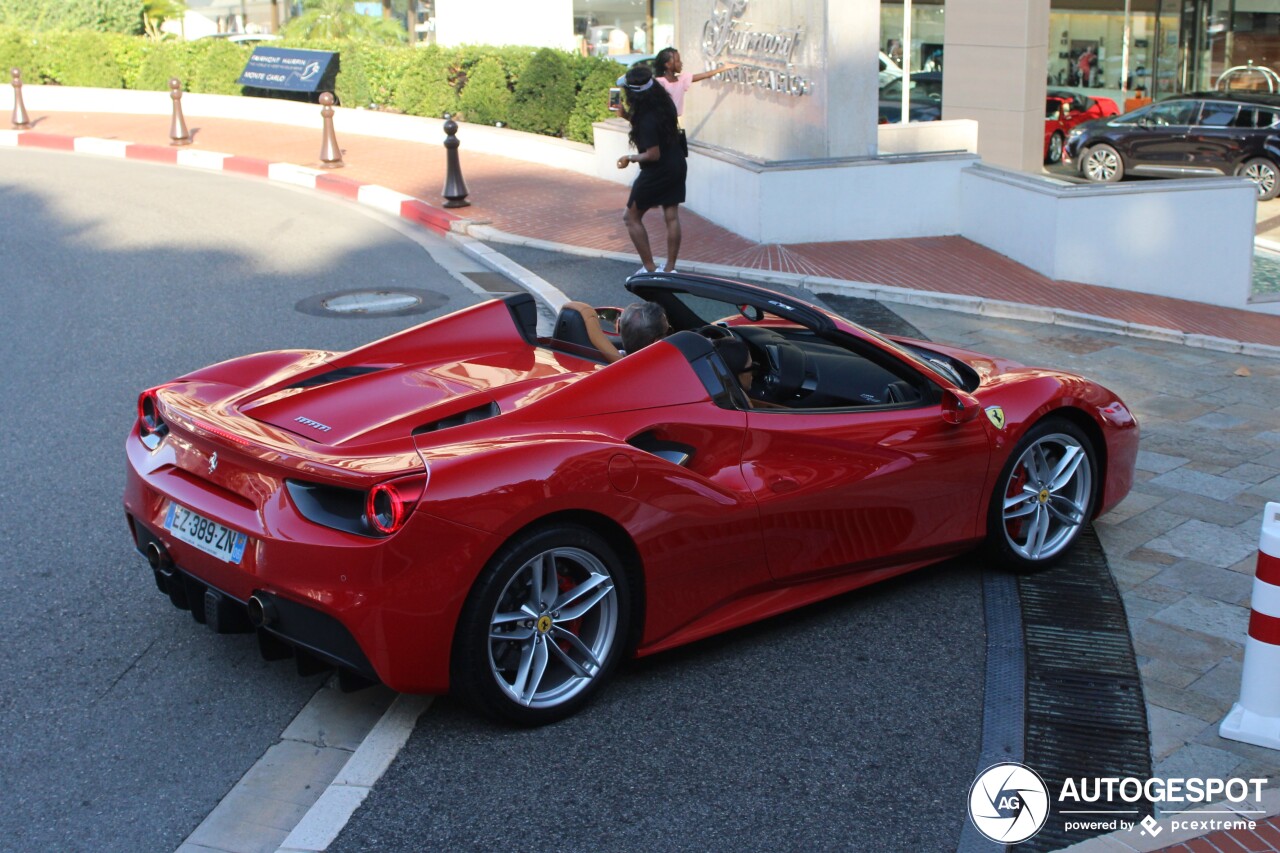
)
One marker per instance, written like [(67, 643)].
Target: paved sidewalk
[(528, 199)]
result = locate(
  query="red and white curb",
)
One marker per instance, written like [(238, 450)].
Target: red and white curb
[(370, 195), (1255, 718)]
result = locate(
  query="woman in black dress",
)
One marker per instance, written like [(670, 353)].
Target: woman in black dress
[(656, 137)]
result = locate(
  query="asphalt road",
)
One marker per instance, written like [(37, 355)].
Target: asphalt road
[(125, 722)]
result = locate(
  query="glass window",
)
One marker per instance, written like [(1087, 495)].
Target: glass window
[(1267, 118), (1218, 114), (1172, 113)]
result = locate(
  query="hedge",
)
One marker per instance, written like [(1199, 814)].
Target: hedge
[(539, 90)]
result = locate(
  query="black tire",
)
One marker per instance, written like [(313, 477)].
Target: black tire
[(1264, 175), (1101, 164), (501, 677), (1056, 142), (1025, 499)]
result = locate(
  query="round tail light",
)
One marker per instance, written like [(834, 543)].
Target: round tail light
[(385, 509)]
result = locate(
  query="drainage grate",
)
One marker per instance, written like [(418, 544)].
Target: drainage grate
[(1085, 713)]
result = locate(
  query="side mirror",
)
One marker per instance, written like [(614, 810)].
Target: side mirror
[(958, 407)]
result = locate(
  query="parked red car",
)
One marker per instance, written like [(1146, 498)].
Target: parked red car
[(1063, 111), (466, 506)]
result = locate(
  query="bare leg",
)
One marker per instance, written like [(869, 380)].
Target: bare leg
[(633, 219), (671, 214)]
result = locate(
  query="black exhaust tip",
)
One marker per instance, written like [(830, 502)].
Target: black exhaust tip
[(158, 557), (262, 612)]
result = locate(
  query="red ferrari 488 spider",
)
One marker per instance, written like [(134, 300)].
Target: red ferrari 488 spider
[(466, 506)]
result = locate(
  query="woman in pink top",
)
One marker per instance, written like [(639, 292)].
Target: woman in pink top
[(666, 70)]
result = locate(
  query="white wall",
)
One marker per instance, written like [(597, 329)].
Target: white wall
[(1187, 238), (546, 23)]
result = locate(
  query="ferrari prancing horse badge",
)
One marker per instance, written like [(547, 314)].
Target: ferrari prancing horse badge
[(995, 414)]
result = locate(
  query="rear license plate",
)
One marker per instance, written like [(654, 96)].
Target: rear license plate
[(209, 536)]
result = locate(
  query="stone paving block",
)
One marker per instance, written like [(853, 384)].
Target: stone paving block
[(1188, 648), (1271, 436), (1156, 592), (1122, 539), (1154, 522), (1272, 459), (1251, 472), (1131, 573), (1188, 576), (1222, 683), (1249, 408), (1206, 708), (1250, 500), (1206, 467), (1198, 761), (1138, 610), (1159, 462), (1174, 408), (1148, 557), (1267, 489), (1134, 503), (1197, 483), (1212, 544), (1171, 730), (1208, 509), (1217, 420), (1167, 672), (1257, 754), (1207, 616), (1248, 566)]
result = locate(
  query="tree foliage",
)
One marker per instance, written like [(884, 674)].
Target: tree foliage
[(338, 19)]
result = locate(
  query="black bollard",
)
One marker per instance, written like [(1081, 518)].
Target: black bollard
[(455, 188), (21, 121), (330, 153), (178, 133)]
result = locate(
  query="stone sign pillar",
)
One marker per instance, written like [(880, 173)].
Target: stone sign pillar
[(806, 85), (995, 58)]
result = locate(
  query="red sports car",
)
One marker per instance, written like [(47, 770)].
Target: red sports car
[(1063, 111), (466, 506)]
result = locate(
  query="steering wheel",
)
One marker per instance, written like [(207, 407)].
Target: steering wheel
[(785, 371)]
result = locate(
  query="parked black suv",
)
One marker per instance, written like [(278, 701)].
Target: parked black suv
[(1208, 133)]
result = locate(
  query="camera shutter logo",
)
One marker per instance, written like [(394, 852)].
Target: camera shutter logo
[(1008, 803)]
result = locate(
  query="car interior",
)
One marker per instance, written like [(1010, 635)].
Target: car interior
[(790, 365)]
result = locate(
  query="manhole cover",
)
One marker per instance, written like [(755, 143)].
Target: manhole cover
[(399, 302)]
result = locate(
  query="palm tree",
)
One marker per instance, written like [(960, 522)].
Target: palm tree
[(338, 19)]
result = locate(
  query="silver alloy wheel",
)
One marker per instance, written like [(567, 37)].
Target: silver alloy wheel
[(1047, 496), (553, 627), (1263, 174), (1102, 165), (1055, 148)]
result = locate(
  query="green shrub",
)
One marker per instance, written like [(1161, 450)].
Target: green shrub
[(83, 58), (427, 88), (130, 52), (485, 98), (163, 61), (18, 50), (385, 67), (544, 94), (104, 16), (593, 100), (215, 65)]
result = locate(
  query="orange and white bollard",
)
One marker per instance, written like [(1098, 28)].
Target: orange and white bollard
[(1255, 718)]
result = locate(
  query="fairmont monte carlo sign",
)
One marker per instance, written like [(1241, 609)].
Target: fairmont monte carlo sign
[(764, 56)]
